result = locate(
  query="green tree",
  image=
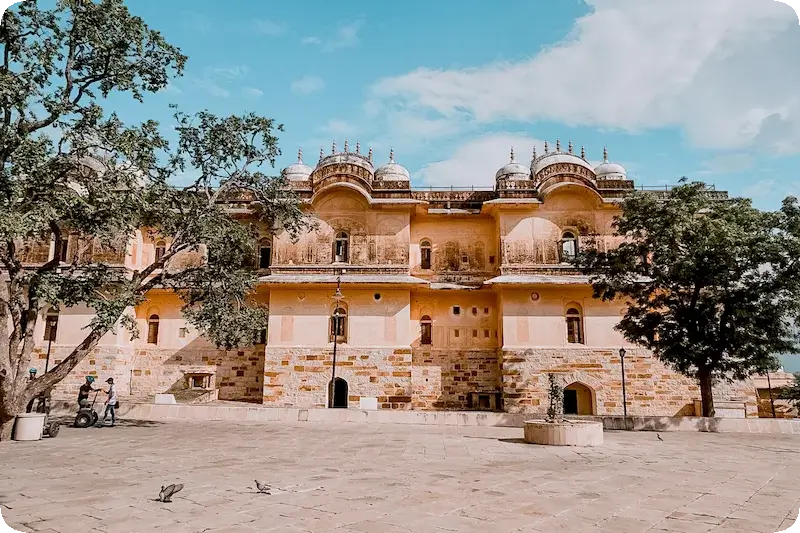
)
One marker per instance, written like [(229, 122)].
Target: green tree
[(711, 284), (792, 392), (68, 168)]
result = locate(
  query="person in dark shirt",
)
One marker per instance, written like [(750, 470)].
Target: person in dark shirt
[(83, 392)]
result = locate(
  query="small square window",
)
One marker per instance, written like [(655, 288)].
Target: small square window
[(464, 259), (491, 259), (475, 311), (474, 333), (486, 334), (455, 334), (485, 310), (456, 310), (182, 333)]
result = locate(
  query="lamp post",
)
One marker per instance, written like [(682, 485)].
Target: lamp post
[(624, 395), (337, 297)]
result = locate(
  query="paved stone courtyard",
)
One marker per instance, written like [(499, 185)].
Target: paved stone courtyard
[(369, 478)]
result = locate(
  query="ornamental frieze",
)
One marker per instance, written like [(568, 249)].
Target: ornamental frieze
[(565, 168), (341, 169)]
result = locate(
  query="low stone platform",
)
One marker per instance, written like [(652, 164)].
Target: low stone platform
[(254, 413)]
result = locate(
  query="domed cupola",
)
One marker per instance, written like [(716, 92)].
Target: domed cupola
[(610, 171), (552, 158), (513, 170), (298, 171), (391, 171)]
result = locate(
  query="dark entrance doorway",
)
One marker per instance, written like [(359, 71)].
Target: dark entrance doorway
[(339, 393), (570, 402)]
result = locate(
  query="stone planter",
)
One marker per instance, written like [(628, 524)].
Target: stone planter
[(29, 426), (572, 433)]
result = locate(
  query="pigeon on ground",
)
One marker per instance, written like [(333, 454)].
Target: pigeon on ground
[(165, 496), (659, 437), (263, 488)]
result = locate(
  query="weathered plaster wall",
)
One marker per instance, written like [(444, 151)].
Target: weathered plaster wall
[(301, 317), (458, 244), (474, 327), (376, 237)]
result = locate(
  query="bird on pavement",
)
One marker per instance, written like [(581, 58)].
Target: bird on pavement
[(165, 496), (263, 488), (659, 437)]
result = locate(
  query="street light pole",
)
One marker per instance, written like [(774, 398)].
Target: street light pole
[(337, 297), (624, 395)]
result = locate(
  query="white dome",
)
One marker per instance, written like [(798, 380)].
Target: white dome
[(391, 171), (610, 171), (513, 170), (298, 171), (551, 158)]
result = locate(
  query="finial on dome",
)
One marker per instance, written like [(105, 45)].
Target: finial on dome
[(546, 148), (570, 146), (534, 152), (358, 147), (300, 155), (605, 154), (512, 155), (558, 144), (583, 152), (370, 154), (345, 146), (391, 155), (321, 153), (333, 148)]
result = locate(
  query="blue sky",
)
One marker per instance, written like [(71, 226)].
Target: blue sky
[(707, 90)]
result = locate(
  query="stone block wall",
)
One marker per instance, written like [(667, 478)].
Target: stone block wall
[(652, 389), (144, 372), (299, 377), (442, 379)]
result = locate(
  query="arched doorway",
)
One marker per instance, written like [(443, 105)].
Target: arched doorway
[(339, 393), (578, 399)]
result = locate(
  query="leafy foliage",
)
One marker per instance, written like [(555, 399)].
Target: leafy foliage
[(712, 285), (792, 392), (71, 171)]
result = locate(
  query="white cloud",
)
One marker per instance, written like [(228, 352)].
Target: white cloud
[(337, 126), (252, 91), (723, 164), (722, 70), (217, 80), (476, 162), (269, 27), (346, 36), (307, 85)]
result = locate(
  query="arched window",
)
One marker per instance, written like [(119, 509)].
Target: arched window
[(161, 248), (62, 247), (574, 326), (569, 246), (425, 251), (265, 253), (339, 325), (341, 247), (152, 329), (426, 330), (51, 325)]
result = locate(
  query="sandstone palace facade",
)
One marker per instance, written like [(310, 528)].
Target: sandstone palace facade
[(451, 299)]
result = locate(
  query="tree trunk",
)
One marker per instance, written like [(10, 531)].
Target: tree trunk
[(6, 426), (706, 393)]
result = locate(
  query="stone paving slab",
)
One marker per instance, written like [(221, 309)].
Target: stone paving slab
[(365, 478)]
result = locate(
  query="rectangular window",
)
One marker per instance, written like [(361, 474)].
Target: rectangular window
[(62, 247), (456, 310), (455, 333), (574, 334), (486, 334), (265, 257), (491, 259), (182, 333), (426, 259), (474, 333)]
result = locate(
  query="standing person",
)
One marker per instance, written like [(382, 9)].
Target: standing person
[(111, 402), (83, 392)]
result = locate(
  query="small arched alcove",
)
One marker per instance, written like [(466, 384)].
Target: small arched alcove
[(339, 393), (579, 399)]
